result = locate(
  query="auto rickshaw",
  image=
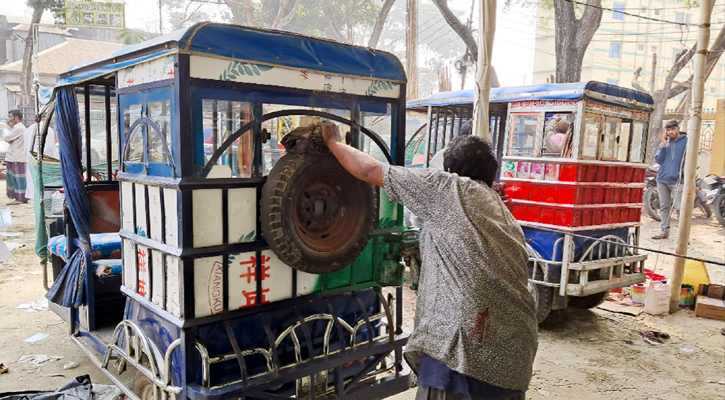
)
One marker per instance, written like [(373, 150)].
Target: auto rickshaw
[(572, 156), (198, 260)]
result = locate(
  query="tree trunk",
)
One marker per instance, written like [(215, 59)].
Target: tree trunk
[(458, 27), (380, 23), (26, 73), (655, 128), (572, 37), (281, 20)]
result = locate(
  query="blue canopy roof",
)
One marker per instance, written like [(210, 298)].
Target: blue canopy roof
[(250, 44), (549, 91)]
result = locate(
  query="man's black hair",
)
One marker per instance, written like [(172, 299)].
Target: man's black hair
[(16, 113), (466, 128), (472, 157), (672, 124)]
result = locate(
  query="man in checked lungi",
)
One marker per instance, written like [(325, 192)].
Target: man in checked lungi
[(15, 159), (475, 335)]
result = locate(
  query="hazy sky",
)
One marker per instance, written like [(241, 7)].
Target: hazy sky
[(513, 50)]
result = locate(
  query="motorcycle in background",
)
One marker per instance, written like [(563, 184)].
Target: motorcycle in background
[(652, 196), (716, 196)]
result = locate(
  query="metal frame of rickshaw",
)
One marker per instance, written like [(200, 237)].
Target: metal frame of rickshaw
[(130, 346)]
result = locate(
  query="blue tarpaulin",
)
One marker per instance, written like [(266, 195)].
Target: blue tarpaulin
[(250, 44), (549, 91)]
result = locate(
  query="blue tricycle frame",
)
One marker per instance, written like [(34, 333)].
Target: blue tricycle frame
[(176, 314)]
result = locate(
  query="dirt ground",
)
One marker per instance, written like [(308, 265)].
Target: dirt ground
[(583, 354)]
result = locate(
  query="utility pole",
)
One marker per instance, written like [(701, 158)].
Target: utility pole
[(161, 20), (693, 145), (411, 54), (652, 78)]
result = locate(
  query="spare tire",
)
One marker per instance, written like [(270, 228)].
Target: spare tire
[(316, 217)]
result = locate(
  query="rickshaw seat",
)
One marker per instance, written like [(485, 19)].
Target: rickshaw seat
[(103, 246)]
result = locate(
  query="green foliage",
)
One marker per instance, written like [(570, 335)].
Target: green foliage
[(131, 36), (57, 7), (237, 68)]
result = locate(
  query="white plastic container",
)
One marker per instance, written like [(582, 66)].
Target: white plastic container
[(657, 299), (58, 200)]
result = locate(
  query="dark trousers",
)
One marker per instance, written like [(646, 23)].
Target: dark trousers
[(428, 393)]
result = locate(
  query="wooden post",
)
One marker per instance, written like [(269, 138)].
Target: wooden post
[(411, 54), (652, 78), (693, 145)]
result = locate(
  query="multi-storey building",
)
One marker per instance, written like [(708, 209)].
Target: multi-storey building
[(627, 39)]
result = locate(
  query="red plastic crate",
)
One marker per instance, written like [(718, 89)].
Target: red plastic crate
[(638, 176), (597, 217), (636, 195), (576, 218), (628, 173), (565, 195), (533, 213), (591, 173), (624, 215), (581, 173), (547, 215), (516, 191), (617, 195), (598, 195), (608, 216), (634, 214), (520, 212), (589, 195), (620, 174), (567, 172), (563, 217), (586, 217), (602, 173), (609, 196), (550, 194), (625, 196), (536, 193), (579, 195), (612, 174)]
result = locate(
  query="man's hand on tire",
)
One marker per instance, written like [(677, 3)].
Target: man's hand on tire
[(330, 133)]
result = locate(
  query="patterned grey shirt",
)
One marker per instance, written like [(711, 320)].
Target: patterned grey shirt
[(474, 311)]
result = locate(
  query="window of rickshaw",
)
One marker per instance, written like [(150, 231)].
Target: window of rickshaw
[(625, 134), (220, 119), (636, 148), (98, 133), (149, 148), (590, 136), (524, 133), (610, 137), (382, 124), (558, 131)]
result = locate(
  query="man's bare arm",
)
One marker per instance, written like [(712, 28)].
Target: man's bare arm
[(360, 165)]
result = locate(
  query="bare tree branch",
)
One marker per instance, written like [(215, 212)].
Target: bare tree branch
[(635, 81), (335, 29), (280, 21), (380, 23), (458, 27)]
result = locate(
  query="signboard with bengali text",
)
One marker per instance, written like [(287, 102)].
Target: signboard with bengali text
[(92, 13)]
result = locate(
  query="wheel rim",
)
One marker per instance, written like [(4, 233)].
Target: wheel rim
[(327, 209)]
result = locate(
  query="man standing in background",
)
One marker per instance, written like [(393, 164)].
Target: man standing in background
[(670, 156), (15, 159)]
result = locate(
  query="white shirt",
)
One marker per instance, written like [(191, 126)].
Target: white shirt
[(51, 150), (16, 146)]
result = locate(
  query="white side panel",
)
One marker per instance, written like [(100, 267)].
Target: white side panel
[(130, 278), (242, 280), (208, 286), (278, 286), (236, 71), (173, 283), (171, 218), (242, 211), (307, 283), (155, 213), (157, 271), (144, 275), (140, 206), (127, 206), (158, 69), (207, 217)]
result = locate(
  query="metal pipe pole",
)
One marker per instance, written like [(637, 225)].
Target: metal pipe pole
[(486, 30), (693, 145)]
